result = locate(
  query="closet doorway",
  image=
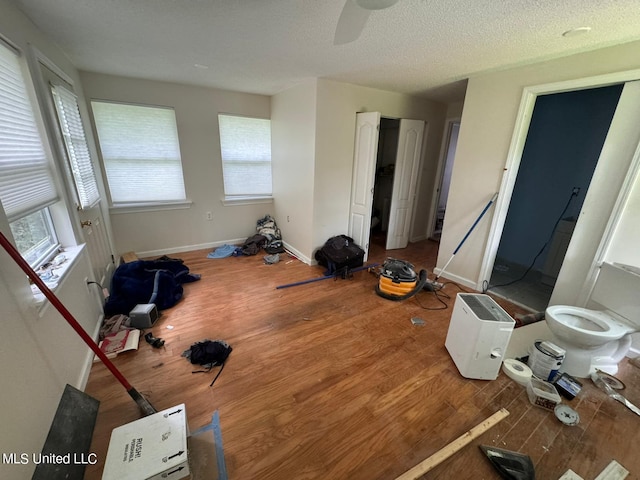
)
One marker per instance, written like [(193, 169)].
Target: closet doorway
[(385, 173), (383, 182)]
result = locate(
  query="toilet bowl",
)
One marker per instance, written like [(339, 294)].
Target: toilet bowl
[(583, 327), (599, 338), (592, 339)]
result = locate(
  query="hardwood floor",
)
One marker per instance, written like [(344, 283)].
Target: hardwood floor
[(330, 381)]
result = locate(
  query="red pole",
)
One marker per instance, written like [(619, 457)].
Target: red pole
[(11, 250)]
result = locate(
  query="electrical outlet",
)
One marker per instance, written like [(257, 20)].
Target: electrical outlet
[(287, 218), (87, 284), (209, 216)]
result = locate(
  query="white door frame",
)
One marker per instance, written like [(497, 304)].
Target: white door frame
[(512, 165)]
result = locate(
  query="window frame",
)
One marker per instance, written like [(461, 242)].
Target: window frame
[(27, 98), (141, 205), (244, 198), (50, 250)]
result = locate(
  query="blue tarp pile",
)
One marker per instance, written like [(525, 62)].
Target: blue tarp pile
[(147, 281)]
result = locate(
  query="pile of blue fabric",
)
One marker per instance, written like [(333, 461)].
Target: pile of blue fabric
[(225, 251), (147, 281)]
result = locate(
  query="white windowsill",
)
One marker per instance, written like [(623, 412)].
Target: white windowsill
[(69, 255), (148, 207), (228, 201)]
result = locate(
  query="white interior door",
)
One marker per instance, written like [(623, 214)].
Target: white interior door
[(92, 229), (405, 178), (364, 165)]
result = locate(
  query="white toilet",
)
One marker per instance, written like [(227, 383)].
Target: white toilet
[(599, 337)]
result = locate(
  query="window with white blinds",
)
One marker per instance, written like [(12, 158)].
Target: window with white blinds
[(245, 145), (140, 152), (75, 142), (26, 178)]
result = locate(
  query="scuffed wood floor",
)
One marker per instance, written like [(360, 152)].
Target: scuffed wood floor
[(329, 381)]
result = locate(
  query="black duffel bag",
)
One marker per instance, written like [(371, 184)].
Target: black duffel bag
[(340, 254)]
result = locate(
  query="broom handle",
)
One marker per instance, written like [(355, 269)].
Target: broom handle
[(11, 250), (493, 199)]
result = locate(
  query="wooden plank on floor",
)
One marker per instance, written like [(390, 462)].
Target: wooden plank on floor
[(453, 447)]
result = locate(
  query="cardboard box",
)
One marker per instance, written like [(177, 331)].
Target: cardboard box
[(129, 257), (151, 448)]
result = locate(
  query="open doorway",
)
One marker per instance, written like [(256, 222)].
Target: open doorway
[(563, 146), (444, 178)]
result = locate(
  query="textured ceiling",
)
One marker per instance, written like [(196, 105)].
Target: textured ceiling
[(423, 47)]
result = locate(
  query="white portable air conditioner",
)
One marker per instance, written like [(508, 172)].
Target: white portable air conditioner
[(479, 332)]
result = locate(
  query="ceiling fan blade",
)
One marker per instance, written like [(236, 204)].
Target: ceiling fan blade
[(351, 23), (376, 4)]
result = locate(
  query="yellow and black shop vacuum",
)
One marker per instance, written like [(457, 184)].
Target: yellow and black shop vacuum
[(398, 280)]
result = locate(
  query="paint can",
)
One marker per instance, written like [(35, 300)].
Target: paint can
[(545, 360)]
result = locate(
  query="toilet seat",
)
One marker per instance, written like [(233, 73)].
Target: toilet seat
[(598, 338), (590, 322)]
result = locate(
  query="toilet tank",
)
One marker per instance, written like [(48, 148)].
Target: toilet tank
[(617, 290)]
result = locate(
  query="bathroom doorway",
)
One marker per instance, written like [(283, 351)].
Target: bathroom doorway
[(562, 148)]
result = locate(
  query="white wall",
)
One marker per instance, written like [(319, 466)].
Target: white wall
[(489, 115), (338, 104), (39, 353), (196, 109), (293, 139), (313, 133)]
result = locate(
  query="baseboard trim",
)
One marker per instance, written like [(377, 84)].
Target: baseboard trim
[(189, 248), (83, 378), (296, 253), (418, 238), (455, 278), (212, 245)]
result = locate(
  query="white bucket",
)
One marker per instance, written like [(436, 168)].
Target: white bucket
[(545, 360)]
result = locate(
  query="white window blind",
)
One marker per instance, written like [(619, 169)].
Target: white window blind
[(140, 151), (245, 145), (26, 179), (75, 142)]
